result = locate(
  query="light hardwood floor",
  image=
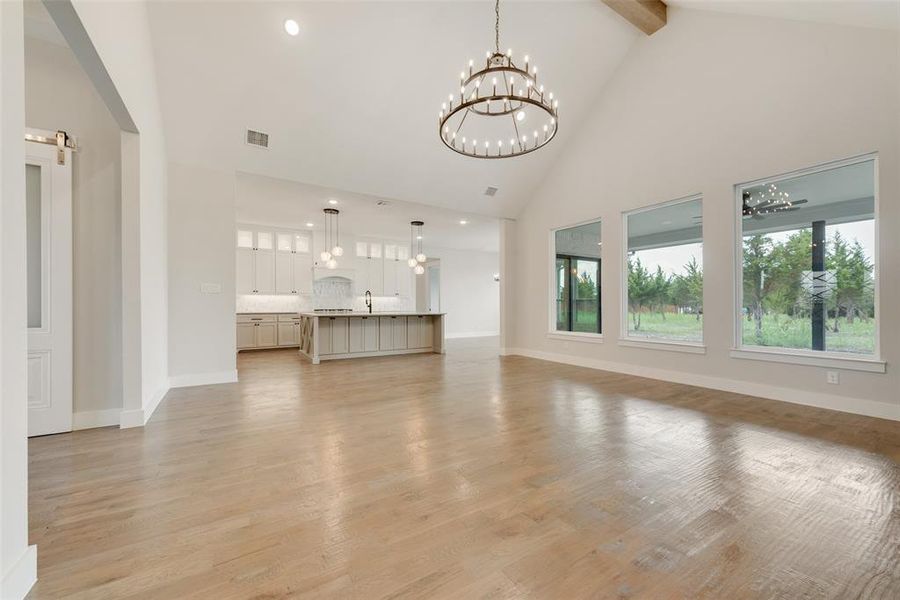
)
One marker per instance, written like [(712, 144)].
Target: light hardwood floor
[(467, 476)]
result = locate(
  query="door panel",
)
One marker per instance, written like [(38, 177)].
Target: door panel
[(399, 327), (340, 341), (370, 334), (287, 334), (265, 271), (303, 279), (246, 335), (266, 335), (244, 271), (356, 334), (385, 333), (48, 216), (284, 275)]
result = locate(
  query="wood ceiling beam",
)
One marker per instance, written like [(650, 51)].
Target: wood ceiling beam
[(647, 15)]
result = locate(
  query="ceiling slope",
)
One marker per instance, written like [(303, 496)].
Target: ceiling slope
[(352, 102)]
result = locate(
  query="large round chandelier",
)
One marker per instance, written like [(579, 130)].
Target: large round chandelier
[(501, 110)]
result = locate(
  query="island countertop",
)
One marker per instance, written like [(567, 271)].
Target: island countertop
[(376, 313)]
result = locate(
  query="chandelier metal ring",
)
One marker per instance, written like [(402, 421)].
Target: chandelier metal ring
[(489, 93), (520, 148)]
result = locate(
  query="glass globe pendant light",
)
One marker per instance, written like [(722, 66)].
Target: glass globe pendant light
[(415, 245), (332, 239)]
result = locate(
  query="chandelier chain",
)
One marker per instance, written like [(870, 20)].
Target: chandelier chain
[(497, 27)]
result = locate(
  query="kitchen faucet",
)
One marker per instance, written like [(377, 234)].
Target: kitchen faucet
[(369, 300)]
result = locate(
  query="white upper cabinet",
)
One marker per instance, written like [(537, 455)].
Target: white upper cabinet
[(281, 262), (284, 242), (265, 240), (273, 262), (244, 238)]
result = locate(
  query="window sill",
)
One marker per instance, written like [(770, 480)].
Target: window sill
[(668, 345), (826, 360), (576, 336)]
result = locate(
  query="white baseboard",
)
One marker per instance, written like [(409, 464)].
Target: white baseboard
[(20, 578), (138, 417), (471, 334), (155, 399), (192, 379), (131, 418), (88, 419), (859, 406)]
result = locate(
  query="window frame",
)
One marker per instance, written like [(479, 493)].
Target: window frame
[(552, 331), (647, 342), (820, 358)]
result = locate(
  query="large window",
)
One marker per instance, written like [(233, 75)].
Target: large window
[(577, 278), (664, 273), (807, 260)]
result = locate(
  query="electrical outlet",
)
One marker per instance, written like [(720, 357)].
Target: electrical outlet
[(210, 288), (832, 377)]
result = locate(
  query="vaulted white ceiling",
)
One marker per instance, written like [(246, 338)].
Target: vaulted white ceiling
[(351, 103)]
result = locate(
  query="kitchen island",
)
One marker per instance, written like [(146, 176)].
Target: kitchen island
[(336, 335)]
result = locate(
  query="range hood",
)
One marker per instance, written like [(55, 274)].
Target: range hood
[(320, 273)]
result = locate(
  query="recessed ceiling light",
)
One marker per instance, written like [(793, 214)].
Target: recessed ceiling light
[(310, 225), (332, 202), (463, 222), (291, 27)]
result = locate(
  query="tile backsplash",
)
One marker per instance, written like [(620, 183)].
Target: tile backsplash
[(330, 298)]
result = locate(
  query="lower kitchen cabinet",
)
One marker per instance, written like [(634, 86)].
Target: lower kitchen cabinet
[(267, 331), (398, 328), (364, 334), (334, 335), (419, 332)]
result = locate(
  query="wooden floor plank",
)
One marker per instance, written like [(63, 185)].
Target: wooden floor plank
[(467, 475)]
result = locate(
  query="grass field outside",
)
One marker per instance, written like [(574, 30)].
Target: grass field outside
[(779, 331), (672, 326), (784, 331)]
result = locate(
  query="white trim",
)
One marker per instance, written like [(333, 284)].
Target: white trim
[(155, 399), (576, 336), (826, 360), (623, 267), (20, 578), (860, 406), (669, 345), (471, 334), (192, 379), (89, 419), (140, 416), (738, 247), (131, 418)]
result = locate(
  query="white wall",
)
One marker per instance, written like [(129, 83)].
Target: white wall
[(709, 101), (469, 294), (120, 33), (59, 95), (201, 250), (18, 561)]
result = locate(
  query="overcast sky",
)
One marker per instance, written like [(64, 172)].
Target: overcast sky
[(673, 258)]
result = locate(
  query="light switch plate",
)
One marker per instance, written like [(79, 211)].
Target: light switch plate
[(210, 288), (833, 377)]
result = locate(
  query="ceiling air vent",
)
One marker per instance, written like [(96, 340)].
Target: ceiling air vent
[(490, 191), (257, 138)]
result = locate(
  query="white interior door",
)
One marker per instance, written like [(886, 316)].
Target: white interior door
[(48, 201)]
